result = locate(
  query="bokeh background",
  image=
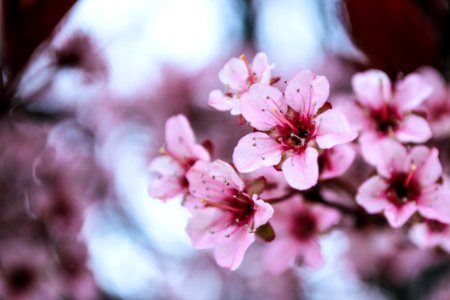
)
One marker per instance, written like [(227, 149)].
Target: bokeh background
[(86, 87)]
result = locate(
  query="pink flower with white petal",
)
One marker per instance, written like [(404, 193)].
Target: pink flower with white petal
[(437, 105), (298, 226), (407, 182), (380, 111), (290, 129), (431, 234), (168, 171), (238, 75), (225, 214)]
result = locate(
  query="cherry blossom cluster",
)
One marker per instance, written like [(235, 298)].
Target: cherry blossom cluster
[(285, 177)]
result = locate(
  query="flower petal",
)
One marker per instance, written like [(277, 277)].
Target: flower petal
[(428, 166), (264, 211), (307, 92), (301, 170), (386, 154), (262, 106), (337, 161), (222, 171), (256, 150), (234, 75), (280, 255), (219, 101), (203, 185), (165, 178), (231, 253), (371, 195), (413, 129), (261, 68), (398, 215), (333, 129), (411, 92), (325, 217), (434, 203), (372, 88), (312, 254), (180, 140)]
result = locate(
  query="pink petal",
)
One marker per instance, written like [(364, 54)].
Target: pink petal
[(413, 129), (338, 161), (421, 236), (307, 92), (204, 227), (371, 195), (280, 255), (261, 68), (411, 92), (358, 120), (180, 140), (435, 79), (301, 170), (386, 154), (165, 178), (326, 217), (256, 150), (333, 129), (372, 88), (428, 166), (234, 75), (231, 253), (223, 172), (434, 203), (397, 216), (219, 101), (264, 211), (312, 254), (262, 106), (203, 185)]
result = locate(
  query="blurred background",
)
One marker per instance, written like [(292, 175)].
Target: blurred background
[(85, 89)]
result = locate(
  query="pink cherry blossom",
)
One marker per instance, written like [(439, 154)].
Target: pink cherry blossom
[(237, 76), (290, 129), (406, 183), (437, 105), (224, 214), (335, 161), (167, 172), (431, 234), (297, 226), (380, 111)]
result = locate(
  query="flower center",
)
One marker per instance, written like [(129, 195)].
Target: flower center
[(240, 206), (21, 278), (403, 187), (297, 132), (386, 118), (304, 226)]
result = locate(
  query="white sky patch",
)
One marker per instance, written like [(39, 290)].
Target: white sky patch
[(291, 32)]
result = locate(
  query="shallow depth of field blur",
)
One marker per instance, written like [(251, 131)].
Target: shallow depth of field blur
[(86, 87)]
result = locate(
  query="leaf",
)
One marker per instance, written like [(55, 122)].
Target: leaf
[(266, 232)]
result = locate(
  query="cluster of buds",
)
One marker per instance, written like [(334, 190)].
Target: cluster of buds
[(299, 150)]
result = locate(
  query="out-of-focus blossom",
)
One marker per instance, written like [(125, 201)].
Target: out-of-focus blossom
[(431, 234), (437, 106), (335, 161), (381, 112), (225, 212), (168, 171), (407, 182), (297, 226), (290, 128), (237, 76)]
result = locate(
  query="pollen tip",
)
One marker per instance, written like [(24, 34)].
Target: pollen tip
[(162, 150)]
